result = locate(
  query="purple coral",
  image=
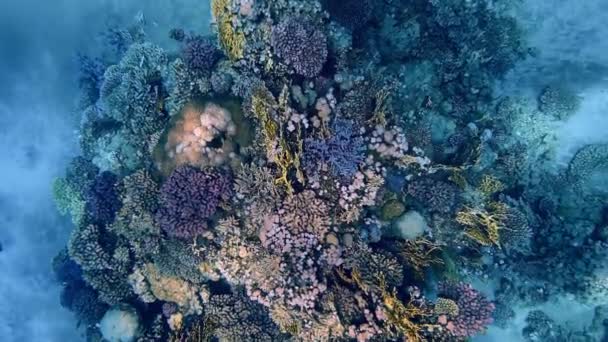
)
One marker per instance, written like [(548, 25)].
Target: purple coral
[(300, 45), (474, 309), (189, 198), (102, 201), (343, 151), (199, 53), (435, 195)]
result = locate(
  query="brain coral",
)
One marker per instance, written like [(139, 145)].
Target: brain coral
[(300, 45), (189, 198)]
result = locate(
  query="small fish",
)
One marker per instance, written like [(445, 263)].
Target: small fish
[(140, 18)]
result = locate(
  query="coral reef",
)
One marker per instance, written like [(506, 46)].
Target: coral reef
[(339, 171)]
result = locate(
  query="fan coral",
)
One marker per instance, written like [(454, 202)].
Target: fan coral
[(200, 137), (102, 199), (189, 198), (517, 232), (135, 220), (342, 152), (300, 45), (199, 53), (436, 196), (474, 309)]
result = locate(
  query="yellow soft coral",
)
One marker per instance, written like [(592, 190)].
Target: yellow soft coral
[(483, 225), (420, 254), (231, 40), (400, 316), (490, 185), (277, 149)]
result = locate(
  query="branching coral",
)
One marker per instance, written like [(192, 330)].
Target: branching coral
[(68, 200), (102, 201), (474, 312), (189, 198), (559, 102), (238, 319), (199, 53), (185, 85), (351, 13), (132, 90), (69, 191), (300, 45), (341, 153), (104, 268), (437, 196)]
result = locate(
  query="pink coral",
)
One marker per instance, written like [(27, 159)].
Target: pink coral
[(474, 309)]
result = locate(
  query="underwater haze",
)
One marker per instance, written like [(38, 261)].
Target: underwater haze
[(285, 170)]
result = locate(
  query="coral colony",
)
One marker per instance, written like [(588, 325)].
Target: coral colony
[(333, 170)]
